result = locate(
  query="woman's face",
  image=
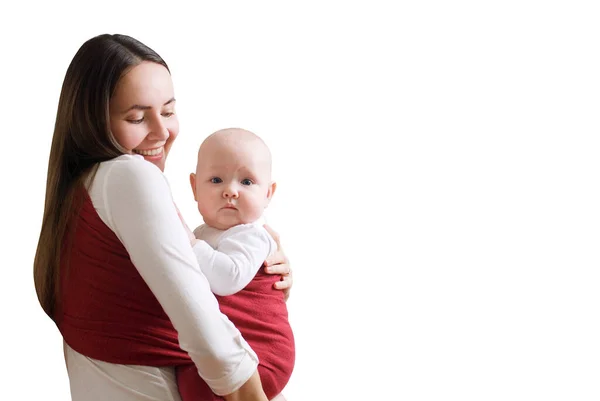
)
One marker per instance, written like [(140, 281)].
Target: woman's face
[(142, 112)]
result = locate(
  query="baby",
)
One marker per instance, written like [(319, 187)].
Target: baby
[(232, 186)]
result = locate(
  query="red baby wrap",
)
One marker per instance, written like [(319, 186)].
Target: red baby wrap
[(107, 312)]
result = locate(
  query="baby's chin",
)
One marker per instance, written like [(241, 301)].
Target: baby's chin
[(225, 223), (223, 220)]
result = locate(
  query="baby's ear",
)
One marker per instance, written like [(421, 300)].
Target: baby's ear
[(271, 191), (193, 184)]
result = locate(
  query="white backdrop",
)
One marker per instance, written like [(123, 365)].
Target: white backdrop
[(438, 178)]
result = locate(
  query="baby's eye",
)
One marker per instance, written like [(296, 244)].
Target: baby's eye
[(216, 180), (247, 182), (168, 114)]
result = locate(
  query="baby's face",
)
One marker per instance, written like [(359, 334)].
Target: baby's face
[(232, 184)]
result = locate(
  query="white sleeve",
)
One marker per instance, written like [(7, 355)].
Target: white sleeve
[(136, 203), (238, 256)]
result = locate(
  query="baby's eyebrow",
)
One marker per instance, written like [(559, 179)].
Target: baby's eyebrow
[(140, 107)]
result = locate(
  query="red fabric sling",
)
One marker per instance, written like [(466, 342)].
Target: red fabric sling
[(107, 312), (260, 313)]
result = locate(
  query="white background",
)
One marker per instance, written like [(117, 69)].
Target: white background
[(438, 170)]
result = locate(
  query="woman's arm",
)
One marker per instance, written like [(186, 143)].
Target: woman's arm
[(134, 200)]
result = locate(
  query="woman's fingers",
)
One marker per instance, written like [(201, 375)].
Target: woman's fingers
[(278, 263), (277, 267), (286, 282), (285, 285)]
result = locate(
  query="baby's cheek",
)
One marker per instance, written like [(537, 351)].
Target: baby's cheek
[(256, 210)]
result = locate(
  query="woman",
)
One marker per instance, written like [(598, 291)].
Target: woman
[(114, 267)]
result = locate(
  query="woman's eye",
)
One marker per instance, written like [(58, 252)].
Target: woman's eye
[(136, 121), (247, 182), (216, 180)]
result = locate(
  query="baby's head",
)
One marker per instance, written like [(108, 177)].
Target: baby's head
[(232, 184)]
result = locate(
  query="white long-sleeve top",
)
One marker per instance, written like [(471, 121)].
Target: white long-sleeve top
[(133, 198), (234, 255)]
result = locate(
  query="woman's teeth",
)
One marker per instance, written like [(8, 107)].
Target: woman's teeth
[(151, 152)]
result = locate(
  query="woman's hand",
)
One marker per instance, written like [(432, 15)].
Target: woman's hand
[(278, 263), (250, 391)]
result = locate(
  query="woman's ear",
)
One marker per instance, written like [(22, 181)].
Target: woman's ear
[(193, 184)]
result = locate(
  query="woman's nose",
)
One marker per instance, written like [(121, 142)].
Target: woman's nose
[(159, 130)]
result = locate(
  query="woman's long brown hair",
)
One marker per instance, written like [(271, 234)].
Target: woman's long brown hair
[(82, 139)]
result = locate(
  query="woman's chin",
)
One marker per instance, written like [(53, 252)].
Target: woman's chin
[(157, 161), (160, 164)]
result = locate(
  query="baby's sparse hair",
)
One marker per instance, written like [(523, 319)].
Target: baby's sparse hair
[(237, 136)]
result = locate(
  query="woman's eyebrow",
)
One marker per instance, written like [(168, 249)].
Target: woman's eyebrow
[(140, 107)]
